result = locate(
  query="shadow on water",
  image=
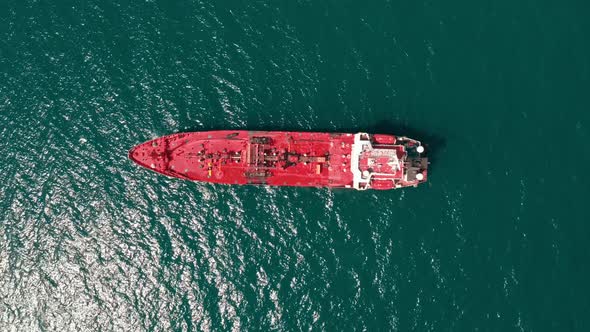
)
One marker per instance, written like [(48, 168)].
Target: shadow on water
[(433, 143)]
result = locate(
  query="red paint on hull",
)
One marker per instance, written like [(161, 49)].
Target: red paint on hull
[(360, 161)]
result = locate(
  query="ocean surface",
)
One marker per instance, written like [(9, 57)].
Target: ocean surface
[(497, 240)]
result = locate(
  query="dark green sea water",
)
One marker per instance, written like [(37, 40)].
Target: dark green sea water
[(498, 240)]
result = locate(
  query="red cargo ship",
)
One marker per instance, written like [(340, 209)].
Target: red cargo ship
[(302, 159)]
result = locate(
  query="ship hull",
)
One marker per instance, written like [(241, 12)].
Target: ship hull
[(305, 159)]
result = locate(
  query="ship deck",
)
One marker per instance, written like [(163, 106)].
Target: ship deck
[(359, 161)]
